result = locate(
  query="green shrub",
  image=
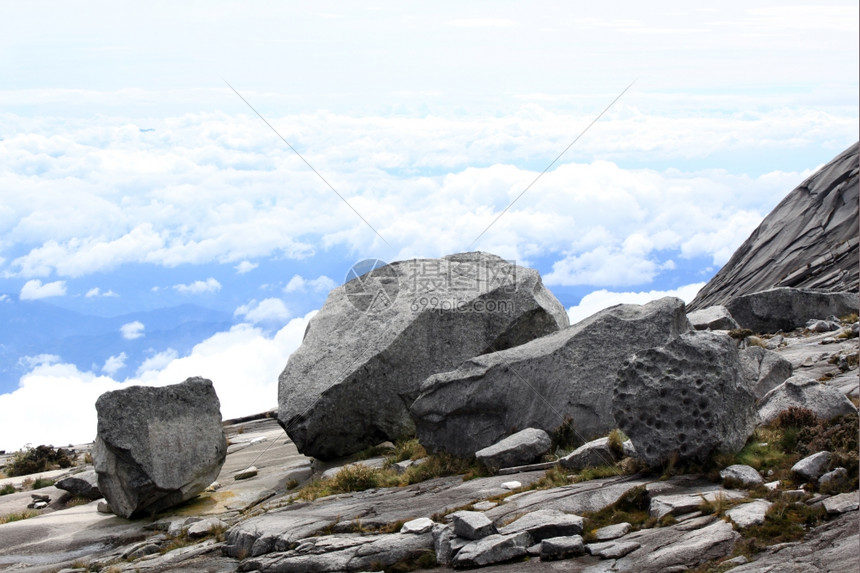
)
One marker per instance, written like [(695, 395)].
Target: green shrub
[(39, 483), (7, 489), (39, 459)]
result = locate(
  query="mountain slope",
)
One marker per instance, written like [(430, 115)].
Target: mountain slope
[(809, 240)]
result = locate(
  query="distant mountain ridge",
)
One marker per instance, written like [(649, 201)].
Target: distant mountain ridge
[(809, 240)]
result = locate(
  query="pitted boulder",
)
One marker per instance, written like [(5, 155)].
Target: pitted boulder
[(349, 384), (789, 308), (688, 398), (567, 375), (157, 447)]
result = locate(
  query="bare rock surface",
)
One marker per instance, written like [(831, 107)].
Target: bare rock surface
[(809, 240), (158, 447), (517, 449), (349, 384), (545, 523), (824, 400), (688, 398), (785, 308), (564, 375)]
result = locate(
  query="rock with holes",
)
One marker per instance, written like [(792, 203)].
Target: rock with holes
[(521, 448), (787, 308), (157, 447), (379, 336), (764, 369), (825, 401), (567, 375), (685, 400)]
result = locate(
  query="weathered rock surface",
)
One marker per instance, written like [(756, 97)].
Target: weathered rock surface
[(545, 523), (712, 318), (610, 532), (568, 374), (812, 467), (789, 308), (84, 484), (593, 454), (764, 369), (679, 504), (825, 401), (809, 240), (472, 525), (842, 503), (612, 549), (157, 447), (561, 547), (687, 398), (740, 474), (748, 514), (349, 384), (521, 448), (492, 549)]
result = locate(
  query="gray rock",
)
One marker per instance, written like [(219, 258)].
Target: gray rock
[(157, 447), (572, 371), (611, 532), (205, 527), (247, 473), (492, 549), (823, 325), (545, 523), (742, 475), (612, 549), (712, 318), (104, 507), (472, 525), (442, 536), (84, 484), (825, 401), (764, 369), (517, 449), (694, 547), (593, 454), (417, 526), (679, 504), (812, 467), (561, 547), (785, 309), (748, 514), (349, 384), (835, 478), (809, 240), (842, 503), (688, 398)]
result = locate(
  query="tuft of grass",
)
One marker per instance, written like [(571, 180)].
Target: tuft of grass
[(564, 437), (740, 333), (784, 522), (39, 483), (616, 442), (410, 449), (632, 507), (849, 318), (355, 478), (26, 514), (598, 472), (7, 489)]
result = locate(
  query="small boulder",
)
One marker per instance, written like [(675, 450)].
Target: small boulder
[(561, 547), (786, 308), (613, 531), (545, 523), (826, 402), (688, 398), (418, 526), (712, 318), (748, 514), (511, 485), (472, 525), (205, 527), (812, 467), (84, 484), (741, 475), (157, 447), (492, 549), (517, 449), (842, 503), (612, 549), (764, 369), (834, 479), (246, 473), (593, 454)]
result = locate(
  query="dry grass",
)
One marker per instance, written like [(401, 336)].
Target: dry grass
[(26, 514)]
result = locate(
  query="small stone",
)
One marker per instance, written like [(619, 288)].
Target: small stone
[(484, 505), (472, 525), (205, 527), (749, 514), (510, 485), (794, 494), (741, 474), (561, 547), (612, 549), (772, 485), (104, 507), (40, 505), (246, 473), (842, 503), (612, 531), (739, 560), (812, 467), (214, 486), (417, 526)]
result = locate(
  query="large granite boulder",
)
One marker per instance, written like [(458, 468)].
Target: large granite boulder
[(568, 375), (789, 308), (688, 399), (808, 241), (157, 447), (376, 338), (826, 402)]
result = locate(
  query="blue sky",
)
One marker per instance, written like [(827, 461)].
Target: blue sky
[(132, 178)]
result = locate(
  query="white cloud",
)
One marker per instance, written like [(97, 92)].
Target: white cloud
[(95, 292), (114, 364), (301, 284), (157, 361), (243, 364), (199, 287), (5, 298), (245, 267), (267, 310), (482, 23), (34, 289), (600, 299), (132, 330)]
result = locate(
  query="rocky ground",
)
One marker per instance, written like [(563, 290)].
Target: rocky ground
[(258, 524)]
